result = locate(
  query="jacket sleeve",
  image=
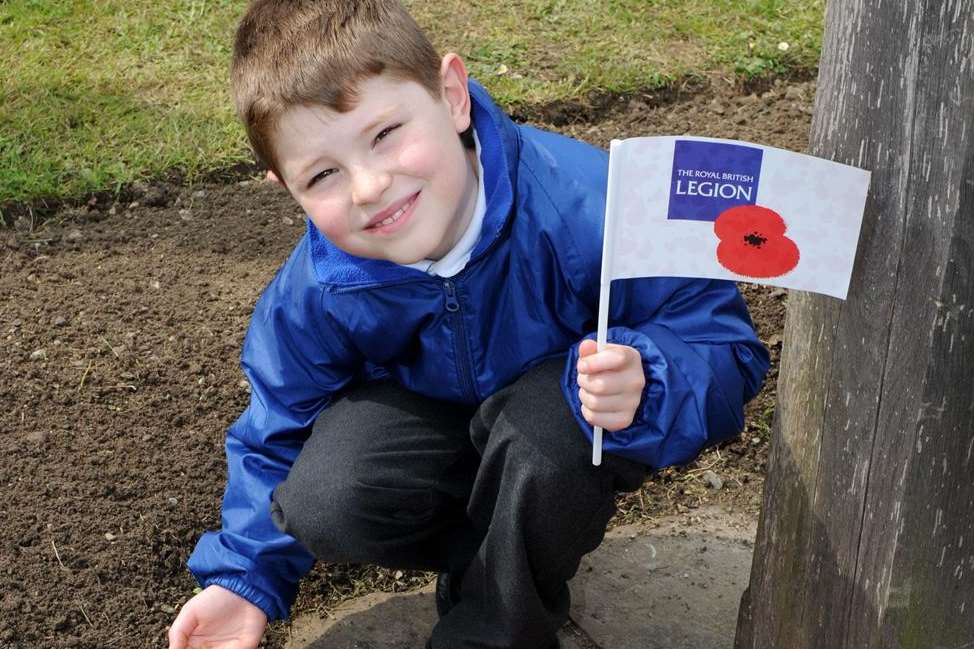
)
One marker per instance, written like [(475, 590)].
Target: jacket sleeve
[(702, 361), (294, 362)]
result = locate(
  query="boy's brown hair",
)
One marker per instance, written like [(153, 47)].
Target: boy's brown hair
[(315, 52)]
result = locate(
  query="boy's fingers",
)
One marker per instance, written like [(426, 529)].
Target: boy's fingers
[(177, 640), (610, 421), (607, 404), (587, 348), (182, 627), (606, 383), (610, 358)]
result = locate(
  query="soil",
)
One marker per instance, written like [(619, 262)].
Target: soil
[(121, 326)]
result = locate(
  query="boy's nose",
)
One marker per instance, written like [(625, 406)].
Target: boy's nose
[(368, 185)]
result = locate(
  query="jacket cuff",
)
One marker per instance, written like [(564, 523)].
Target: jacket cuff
[(238, 586), (211, 563)]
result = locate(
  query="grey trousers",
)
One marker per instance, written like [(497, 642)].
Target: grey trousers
[(503, 496)]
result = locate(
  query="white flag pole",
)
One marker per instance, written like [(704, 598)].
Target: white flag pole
[(606, 279)]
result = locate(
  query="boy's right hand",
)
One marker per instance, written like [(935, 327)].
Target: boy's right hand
[(217, 619)]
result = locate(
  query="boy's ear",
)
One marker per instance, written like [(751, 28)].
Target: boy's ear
[(453, 75)]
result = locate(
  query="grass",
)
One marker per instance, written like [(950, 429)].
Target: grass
[(95, 95)]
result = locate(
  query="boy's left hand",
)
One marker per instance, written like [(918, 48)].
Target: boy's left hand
[(610, 384)]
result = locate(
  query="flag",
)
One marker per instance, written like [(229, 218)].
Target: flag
[(701, 207), (704, 207)]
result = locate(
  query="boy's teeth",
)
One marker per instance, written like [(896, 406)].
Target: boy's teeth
[(394, 217)]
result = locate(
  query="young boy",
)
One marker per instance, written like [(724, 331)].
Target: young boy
[(424, 379)]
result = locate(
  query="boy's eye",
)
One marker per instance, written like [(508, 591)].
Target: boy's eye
[(320, 176), (386, 131)]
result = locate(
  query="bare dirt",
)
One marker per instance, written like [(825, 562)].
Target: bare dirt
[(121, 325)]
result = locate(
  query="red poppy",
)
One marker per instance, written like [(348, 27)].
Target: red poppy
[(753, 242)]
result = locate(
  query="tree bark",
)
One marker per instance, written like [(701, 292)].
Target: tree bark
[(866, 538)]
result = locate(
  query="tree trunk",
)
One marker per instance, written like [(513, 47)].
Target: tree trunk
[(866, 538)]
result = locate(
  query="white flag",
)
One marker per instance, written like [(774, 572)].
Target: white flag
[(703, 207)]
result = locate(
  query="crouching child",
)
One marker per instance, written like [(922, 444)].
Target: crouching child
[(423, 370)]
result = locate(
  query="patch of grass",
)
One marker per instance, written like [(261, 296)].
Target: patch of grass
[(94, 95), (98, 94), (539, 51)]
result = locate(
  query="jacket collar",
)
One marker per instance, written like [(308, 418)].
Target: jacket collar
[(498, 155)]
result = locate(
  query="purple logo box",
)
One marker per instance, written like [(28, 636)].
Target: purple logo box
[(710, 177)]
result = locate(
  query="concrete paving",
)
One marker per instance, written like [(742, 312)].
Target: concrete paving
[(676, 584)]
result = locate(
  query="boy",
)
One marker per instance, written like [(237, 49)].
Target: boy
[(423, 376)]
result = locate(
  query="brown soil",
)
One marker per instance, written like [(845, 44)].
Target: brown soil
[(121, 328)]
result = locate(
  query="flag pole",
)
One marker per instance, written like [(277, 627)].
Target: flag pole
[(606, 279)]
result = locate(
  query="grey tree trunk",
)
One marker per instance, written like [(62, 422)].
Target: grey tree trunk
[(866, 538)]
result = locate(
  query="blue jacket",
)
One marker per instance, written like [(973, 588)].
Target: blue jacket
[(529, 292)]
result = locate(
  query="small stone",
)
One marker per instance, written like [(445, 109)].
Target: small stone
[(244, 183), (59, 321), (113, 210), (185, 215), (75, 235), (199, 193), (166, 608), (155, 284), (712, 480), (172, 500), (133, 205), (779, 292), (755, 441), (398, 574), (287, 220), (38, 355), (109, 536), (38, 437), (244, 384)]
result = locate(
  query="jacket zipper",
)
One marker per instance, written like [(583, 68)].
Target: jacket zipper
[(463, 352)]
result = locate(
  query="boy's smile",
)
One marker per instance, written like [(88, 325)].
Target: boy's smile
[(390, 179)]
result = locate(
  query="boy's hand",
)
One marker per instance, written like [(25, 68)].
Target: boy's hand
[(610, 384), (217, 619)]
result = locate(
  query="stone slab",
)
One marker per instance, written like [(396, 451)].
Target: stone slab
[(673, 585), (386, 621), (375, 621), (676, 586)]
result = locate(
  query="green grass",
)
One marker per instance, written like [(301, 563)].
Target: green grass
[(563, 49), (94, 95)]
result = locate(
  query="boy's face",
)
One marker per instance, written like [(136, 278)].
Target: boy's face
[(389, 179)]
